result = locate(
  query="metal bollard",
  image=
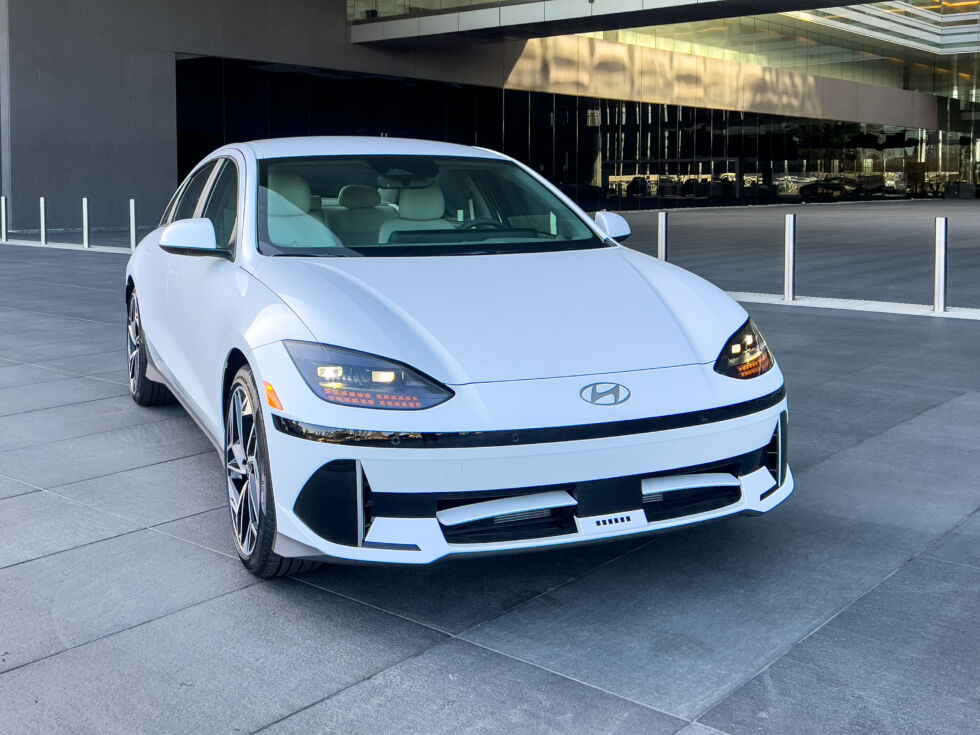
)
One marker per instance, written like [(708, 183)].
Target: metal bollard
[(789, 264), (85, 241), (942, 230), (44, 224), (662, 236), (3, 219), (132, 225)]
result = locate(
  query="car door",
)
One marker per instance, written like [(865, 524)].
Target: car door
[(155, 274), (202, 296)]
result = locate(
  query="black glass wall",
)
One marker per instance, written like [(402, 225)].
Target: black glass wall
[(605, 154)]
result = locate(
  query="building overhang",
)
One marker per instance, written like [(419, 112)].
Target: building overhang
[(540, 18)]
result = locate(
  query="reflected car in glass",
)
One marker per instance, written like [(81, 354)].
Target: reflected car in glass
[(406, 350)]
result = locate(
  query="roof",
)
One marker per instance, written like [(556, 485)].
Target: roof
[(361, 145)]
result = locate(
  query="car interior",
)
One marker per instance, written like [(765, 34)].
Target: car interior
[(356, 203)]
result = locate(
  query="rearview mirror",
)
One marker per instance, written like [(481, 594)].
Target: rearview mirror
[(192, 237), (613, 225)]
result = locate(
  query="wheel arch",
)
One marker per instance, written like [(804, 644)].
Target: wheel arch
[(130, 287), (233, 363)]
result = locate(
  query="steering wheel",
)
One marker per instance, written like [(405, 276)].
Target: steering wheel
[(475, 223)]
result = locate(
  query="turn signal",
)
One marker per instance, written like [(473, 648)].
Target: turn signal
[(274, 401)]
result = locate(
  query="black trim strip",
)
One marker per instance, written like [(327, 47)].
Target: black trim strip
[(472, 439)]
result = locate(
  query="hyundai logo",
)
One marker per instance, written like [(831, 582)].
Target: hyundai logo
[(605, 394)]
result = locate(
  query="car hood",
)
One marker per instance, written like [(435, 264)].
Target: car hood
[(484, 318)]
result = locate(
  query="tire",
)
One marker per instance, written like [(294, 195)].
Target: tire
[(250, 499), (143, 390)]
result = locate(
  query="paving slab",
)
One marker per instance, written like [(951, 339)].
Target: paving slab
[(66, 390), (961, 545), (679, 621), (38, 524), (455, 594), (863, 407), (157, 493), (20, 375), (457, 687), (44, 426), (211, 529), (888, 490), (903, 659), (96, 455), (64, 600), (231, 664), (10, 487)]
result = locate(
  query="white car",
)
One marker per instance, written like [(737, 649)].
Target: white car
[(406, 350)]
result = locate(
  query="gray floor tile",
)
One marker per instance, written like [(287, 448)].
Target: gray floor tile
[(47, 425), (157, 493), (211, 529), (455, 594), (39, 523), (66, 390), (903, 659), (697, 728), (10, 488), (952, 425), (887, 490), (97, 455), (961, 545), (809, 446), (20, 375), (89, 364), (863, 407), (448, 690), (679, 622), (230, 664), (52, 604)]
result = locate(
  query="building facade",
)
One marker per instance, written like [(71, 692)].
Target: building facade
[(695, 104)]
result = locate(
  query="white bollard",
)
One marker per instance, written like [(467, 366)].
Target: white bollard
[(85, 241), (44, 224), (662, 236), (3, 219), (132, 225), (789, 263), (939, 299)]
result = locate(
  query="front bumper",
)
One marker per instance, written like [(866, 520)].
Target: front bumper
[(370, 502)]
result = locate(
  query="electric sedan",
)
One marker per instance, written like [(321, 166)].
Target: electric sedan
[(406, 350)]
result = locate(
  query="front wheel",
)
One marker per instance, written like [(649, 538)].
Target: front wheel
[(250, 498)]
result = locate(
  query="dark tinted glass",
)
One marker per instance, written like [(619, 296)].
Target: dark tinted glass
[(189, 198), (222, 207)]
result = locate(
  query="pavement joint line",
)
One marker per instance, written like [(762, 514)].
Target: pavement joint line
[(116, 472), (59, 285), (59, 316), (709, 727), (250, 583), (65, 551), (912, 557), (778, 656), (343, 689), (65, 405), (20, 482), (865, 305), (81, 436)]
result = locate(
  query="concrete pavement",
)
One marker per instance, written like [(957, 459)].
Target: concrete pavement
[(853, 608)]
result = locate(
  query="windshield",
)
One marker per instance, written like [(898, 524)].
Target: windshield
[(410, 205)]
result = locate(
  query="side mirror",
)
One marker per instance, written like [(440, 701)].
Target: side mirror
[(192, 237), (613, 225)]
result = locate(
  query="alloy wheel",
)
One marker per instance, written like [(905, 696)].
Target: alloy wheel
[(134, 336), (243, 470)]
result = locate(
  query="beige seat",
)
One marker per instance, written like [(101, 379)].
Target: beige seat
[(291, 223), (358, 218), (418, 209)]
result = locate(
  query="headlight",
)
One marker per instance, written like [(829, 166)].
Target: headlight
[(746, 355), (352, 378)]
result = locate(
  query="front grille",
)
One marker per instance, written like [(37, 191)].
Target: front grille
[(543, 523), (677, 503)]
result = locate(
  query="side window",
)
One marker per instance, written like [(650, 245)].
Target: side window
[(187, 204), (222, 206)]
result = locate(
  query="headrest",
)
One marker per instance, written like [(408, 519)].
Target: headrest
[(357, 196), (292, 189), (428, 203), (390, 196)]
